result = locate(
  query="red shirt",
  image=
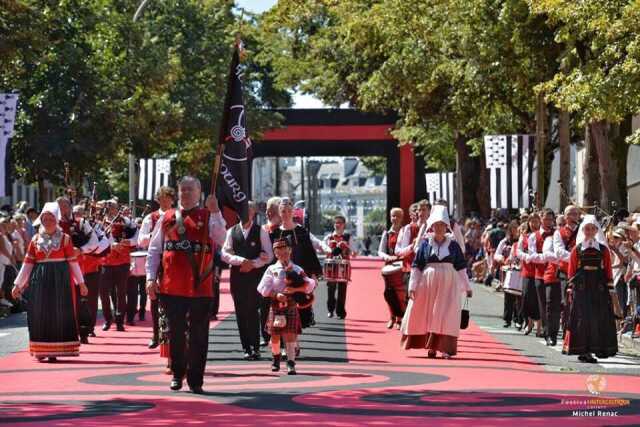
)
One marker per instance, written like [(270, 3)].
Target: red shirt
[(527, 269), (569, 238)]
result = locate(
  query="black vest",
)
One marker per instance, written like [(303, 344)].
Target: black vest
[(249, 248)]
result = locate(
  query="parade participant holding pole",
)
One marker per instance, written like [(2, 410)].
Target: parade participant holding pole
[(281, 282), (182, 245), (51, 271)]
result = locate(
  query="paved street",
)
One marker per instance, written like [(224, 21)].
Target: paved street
[(352, 371)]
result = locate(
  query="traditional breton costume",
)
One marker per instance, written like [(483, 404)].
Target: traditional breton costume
[(182, 245), (337, 245), (438, 279), (529, 308), (284, 317), (564, 240), (591, 326), (247, 243), (395, 293), (147, 228), (540, 252), (51, 272), (115, 270), (506, 254)]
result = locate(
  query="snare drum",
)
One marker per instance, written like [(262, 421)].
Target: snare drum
[(513, 282), (138, 261), (330, 269), (391, 269), (344, 271)]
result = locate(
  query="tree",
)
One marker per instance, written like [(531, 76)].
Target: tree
[(599, 80)]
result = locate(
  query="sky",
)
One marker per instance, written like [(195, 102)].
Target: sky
[(258, 6)]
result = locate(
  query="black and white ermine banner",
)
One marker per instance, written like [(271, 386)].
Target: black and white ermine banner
[(442, 186), (8, 105), (511, 163), (154, 173)]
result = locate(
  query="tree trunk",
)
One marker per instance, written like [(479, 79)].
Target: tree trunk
[(619, 154), (607, 168), (464, 177), (565, 158), (482, 193), (590, 172), (542, 141), (42, 196)]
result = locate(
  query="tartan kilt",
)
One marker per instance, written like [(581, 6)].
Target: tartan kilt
[(294, 325)]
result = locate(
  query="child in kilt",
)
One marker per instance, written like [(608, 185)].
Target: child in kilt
[(288, 286)]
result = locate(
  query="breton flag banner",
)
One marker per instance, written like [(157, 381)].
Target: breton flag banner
[(511, 162), (233, 188), (442, 186), (8, 106), (154, 173)]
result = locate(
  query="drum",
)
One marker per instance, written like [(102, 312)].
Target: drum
[(513, 282), (344, 271), (330, 269), (391, 269), (138, 261)]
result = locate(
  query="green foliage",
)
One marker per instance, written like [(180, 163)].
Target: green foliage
[(95, 86)]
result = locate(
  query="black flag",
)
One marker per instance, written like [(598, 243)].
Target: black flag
[(233, 177)]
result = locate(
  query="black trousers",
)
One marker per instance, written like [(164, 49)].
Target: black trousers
[(550, 302), (511, 310), (244, 291), (135, 290), (333, 304), (92, 280), (114, 280), (189, 359)]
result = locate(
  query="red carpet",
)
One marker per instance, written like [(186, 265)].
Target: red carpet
[(118, 381)]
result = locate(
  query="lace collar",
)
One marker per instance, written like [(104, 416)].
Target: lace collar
[(48, 243)]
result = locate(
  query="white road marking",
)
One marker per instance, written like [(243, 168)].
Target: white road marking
[(616, 362), (3, 334)]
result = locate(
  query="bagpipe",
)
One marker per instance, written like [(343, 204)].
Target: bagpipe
[(296, 280)]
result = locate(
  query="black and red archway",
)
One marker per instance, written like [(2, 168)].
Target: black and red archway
[(346, 132)]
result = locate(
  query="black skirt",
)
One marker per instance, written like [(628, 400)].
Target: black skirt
[(529, 308), (51, 317), (591, 327)]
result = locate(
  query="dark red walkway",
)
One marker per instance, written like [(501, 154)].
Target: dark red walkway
[(118, 381)]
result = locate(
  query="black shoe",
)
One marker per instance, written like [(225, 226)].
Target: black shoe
[(176, 384), (106, 326), (548, 340), (263, 342), (141, 314), (213, 317), (275, 365), (120, 327), (506, 325), (330, 314), (84, 340), (255, 355), (196, 389), (92, 334), (247, 355), (554, 341), (153, 343), (53, 359), (587, 358), (342, 317), (291, 367)]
